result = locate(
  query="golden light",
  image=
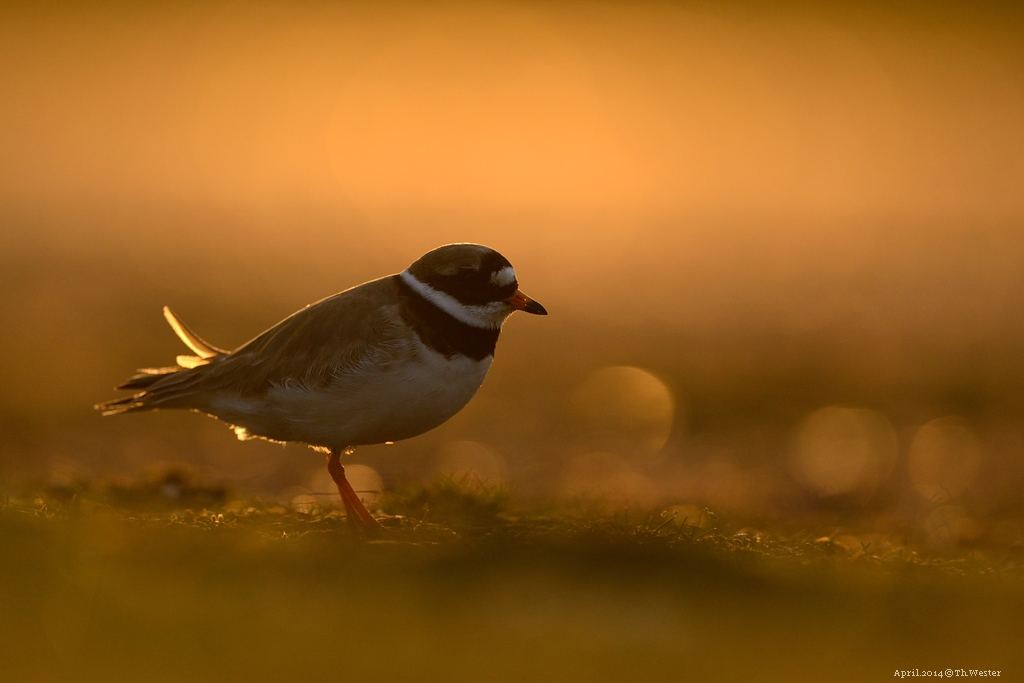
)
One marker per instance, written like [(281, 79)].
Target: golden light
[(944, 459), (323, 487), (301, 499), (489, 107), (504, 105), (473, 459), (624, 410), (841, 450), (948, 525), (366, 482), (607, 478)]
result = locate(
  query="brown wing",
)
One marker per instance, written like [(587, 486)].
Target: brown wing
[(312, 345)]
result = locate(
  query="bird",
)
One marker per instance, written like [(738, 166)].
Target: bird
[(380, 362)]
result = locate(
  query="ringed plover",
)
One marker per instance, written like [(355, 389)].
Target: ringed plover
[(384, 361)]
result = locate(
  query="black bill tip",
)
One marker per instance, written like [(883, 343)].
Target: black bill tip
[(535, 308)]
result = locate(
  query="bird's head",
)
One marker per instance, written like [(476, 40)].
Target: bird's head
[(472, 283)]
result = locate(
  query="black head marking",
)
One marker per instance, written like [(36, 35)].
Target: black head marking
[(466, 272)]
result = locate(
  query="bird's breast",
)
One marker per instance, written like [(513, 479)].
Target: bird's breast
[(379, 401)]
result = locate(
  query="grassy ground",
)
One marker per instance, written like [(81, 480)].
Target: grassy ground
[(461, 588)]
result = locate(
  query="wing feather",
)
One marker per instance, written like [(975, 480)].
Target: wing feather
[(315, 344)]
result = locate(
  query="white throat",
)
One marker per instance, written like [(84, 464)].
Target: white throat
[(485, 316)]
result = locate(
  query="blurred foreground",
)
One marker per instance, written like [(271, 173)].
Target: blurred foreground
[(462, 588)]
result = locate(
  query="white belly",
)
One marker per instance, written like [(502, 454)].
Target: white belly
[(375, 403)]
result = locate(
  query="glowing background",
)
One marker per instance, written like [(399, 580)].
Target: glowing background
[(768, 211)]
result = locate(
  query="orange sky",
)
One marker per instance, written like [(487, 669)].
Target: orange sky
[(649, 108)]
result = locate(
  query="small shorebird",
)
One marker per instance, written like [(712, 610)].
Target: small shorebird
[(384, 361)]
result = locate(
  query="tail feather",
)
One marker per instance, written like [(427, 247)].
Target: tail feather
[(121, 405), (165, 387), (146, 377), (155, 388), (192, 340)]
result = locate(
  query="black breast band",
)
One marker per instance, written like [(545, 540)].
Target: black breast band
[(439, 330)]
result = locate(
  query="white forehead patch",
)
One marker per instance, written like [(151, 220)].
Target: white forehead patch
[(503, 277)]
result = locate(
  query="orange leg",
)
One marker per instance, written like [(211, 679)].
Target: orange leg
[(355, 511)]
